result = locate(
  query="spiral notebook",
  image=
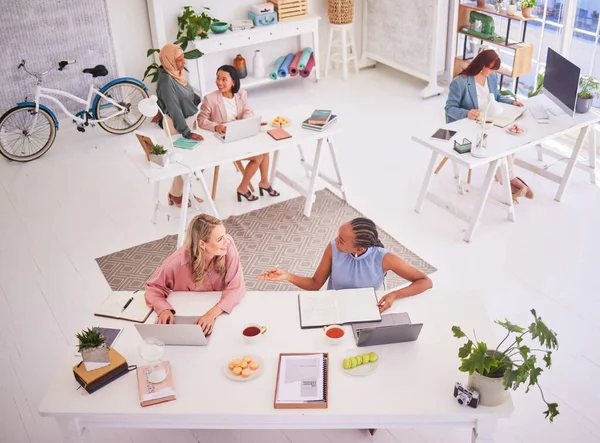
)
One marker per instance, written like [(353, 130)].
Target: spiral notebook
[(302, 381)]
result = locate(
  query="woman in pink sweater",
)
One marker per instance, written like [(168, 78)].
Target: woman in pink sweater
[(209, 261)]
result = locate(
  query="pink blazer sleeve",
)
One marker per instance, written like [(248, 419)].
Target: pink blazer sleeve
[(245, 110), (234, 288), (160, 286), (208, 118)]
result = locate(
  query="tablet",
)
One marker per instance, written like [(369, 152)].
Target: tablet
[(443, 134)]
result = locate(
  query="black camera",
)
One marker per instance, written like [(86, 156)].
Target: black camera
[(466, 397)]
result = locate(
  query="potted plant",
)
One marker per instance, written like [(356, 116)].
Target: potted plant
[(92, 346), (190, 26), (493, 371), (590, 86), (158, 155), (511, 8), (527, 7)]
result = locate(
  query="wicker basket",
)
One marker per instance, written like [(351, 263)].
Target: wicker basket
[(341, 12)]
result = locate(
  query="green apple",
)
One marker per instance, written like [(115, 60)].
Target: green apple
[(366, 358), (354, 361), (347, 363), (373, 357), (359, 359)]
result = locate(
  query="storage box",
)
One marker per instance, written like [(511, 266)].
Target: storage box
[(263, 8), (268, 18), (290, 9)]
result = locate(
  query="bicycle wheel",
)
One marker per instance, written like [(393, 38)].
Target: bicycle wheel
[(128, 95), (25, 134)]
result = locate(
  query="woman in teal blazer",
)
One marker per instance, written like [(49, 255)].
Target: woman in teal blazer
[(468, 89)]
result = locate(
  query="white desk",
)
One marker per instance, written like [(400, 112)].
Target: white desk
[(502, 144), (212, 152), (412, 386)]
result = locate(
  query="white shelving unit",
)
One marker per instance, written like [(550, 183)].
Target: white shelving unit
[(265, 34)]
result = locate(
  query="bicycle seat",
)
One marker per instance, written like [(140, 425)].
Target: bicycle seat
[(97, 71)]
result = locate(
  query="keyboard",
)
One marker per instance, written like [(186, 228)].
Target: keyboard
[(539, 113)]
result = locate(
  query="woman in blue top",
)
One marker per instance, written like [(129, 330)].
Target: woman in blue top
[(357, 259), (468, 97)]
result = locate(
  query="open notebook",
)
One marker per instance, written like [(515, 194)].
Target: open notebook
[(136, 311), (323, 308), (509, 114)]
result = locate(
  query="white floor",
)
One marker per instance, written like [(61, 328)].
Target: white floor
[(85, 199)]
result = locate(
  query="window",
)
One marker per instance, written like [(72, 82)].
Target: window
[(585, 51)]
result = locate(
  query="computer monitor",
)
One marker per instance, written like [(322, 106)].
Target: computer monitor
[(561, 81)]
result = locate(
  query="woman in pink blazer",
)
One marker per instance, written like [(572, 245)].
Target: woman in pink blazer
[(227, 104)]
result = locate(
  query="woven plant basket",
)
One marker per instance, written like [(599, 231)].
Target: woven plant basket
[(341, 12)]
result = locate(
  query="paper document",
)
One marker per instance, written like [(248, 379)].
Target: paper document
[(322, 308), (509, 114), (301, 378), (136, 311)]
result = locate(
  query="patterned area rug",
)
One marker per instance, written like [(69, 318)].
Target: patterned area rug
[(276, 236)]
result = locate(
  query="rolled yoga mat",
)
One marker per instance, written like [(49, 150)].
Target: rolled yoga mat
[(309, 66), (306, 53), (285, 66), (273, 74), (294, 71)]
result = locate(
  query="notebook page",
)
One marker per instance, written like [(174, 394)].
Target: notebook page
[(301, 378), (509, 114), (112, 306), (319, 308), (358, 305)]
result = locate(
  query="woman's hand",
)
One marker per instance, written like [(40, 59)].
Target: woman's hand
[(207, 321), (273, 275), (196, 137), (165, 317), (386, 302), (473, 114), (517, 103), (221, 129)]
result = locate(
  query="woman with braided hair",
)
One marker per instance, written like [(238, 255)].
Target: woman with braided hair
[(356, 258)]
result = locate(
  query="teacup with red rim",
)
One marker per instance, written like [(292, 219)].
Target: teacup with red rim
[(253, 331), (334, 334)]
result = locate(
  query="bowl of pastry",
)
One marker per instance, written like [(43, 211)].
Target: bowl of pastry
[(280, 121), (244, 367), (515, 129)]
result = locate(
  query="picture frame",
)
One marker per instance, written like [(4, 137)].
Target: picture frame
[(147, 142)]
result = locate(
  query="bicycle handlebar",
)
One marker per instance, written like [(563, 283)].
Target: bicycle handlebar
[(61, 65)]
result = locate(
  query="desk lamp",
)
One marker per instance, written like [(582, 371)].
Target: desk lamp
[(492, 110), (149, 107)]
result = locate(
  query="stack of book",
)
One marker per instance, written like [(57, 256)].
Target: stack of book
[(319, 120)]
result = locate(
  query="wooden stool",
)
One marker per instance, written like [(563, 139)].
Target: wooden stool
[(343, 43)]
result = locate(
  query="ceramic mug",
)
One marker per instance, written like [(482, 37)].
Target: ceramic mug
[(253, 331), (334, 334)]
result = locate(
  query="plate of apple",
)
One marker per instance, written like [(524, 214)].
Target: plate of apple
[(516, 129)]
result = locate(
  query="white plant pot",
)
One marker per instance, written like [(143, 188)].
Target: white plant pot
[(95, 358), (491, 390), (161, 160), (511, 9)]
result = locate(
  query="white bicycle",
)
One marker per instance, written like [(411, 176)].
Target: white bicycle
[(28, 130)]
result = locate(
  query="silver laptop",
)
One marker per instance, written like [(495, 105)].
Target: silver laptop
[(182, 332), (239, 129), (393, 328)]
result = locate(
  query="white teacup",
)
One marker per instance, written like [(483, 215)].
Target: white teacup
[(334, 334), (252, 332)]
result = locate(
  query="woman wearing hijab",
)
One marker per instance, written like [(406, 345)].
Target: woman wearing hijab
[(179, 102)]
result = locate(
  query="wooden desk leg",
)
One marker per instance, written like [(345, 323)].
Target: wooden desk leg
[(216, 181), (469, 177), (426, 182), (211, 202), (310, 192), (567, 175), (336, 167), (156, 201), (187, 178), (506, 190), (481, 199), (592, 154), (484, 430), (441, 165), (70, 430), (273, 175)]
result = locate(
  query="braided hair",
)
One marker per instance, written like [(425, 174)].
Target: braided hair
[(365, 233)]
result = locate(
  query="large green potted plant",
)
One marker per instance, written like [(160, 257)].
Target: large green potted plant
[(527, 7), (589, 88), (92, 346), (493, 371), (191, 25)]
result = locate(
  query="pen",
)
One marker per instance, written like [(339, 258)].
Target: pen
[(127, 304)]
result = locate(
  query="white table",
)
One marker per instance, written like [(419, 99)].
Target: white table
[(213, 152), (412, 386), (501, 144)]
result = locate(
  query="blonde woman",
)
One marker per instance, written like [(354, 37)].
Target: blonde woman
[(208, 261)]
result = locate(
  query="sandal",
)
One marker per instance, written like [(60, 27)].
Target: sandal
[(272, 192), (177, 201), (248, 196)]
